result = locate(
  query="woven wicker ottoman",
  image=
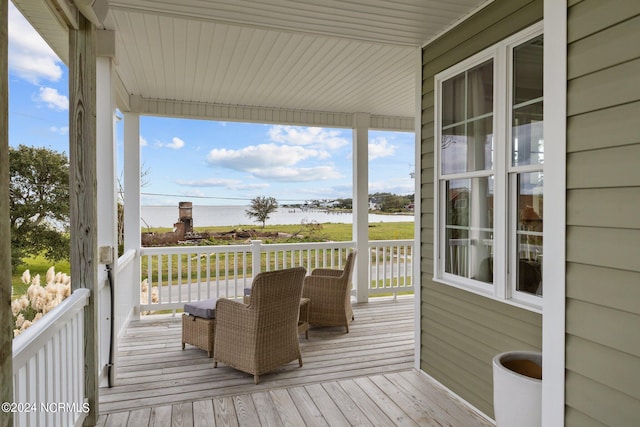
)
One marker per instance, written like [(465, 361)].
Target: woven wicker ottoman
[(199, 325)]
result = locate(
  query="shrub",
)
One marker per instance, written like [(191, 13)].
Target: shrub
[(144, 295), (39, 300)]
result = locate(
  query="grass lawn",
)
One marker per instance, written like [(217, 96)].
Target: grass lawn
[(319, 232), (37, 265), (325, 231)]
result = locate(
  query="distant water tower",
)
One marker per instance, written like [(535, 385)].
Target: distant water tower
[(185, 210)]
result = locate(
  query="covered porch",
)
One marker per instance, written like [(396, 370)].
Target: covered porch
[(353, 66), (365, 377)]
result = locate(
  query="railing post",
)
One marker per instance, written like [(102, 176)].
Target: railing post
[(256, 252)]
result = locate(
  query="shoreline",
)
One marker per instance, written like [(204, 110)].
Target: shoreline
[(234, 216), (257, 226)]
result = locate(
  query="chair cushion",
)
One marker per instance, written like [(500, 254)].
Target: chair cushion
[(205, 308)]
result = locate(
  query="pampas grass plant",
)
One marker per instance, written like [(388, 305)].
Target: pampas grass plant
[(39, 299)]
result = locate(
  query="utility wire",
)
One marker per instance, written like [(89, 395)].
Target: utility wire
[(213, 197), (37, 118)]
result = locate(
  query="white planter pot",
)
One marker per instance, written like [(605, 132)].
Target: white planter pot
[(517, 389)]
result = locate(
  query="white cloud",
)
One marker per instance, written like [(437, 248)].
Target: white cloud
[(242, 186), (273, 162), (175, 144), (193, 193), (288, 174), (380, 147), (319, 138), (394, 185), (231, 184), (30, 58), (53, 99), (256, 157), (143, 141), (64, 130)]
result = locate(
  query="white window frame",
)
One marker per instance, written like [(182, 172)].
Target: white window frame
[(503, 287)]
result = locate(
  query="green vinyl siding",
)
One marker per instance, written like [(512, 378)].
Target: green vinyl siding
[(603, 207), (612, 127), (609, 207), (462, 331)]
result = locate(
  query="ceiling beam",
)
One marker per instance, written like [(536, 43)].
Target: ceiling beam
[(250, 114)]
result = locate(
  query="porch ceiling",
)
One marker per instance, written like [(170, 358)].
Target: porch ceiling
[(332, 56)]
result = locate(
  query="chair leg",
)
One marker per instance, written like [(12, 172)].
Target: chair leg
[(300, 360), (183, 346), (215, 363), (256, 379)]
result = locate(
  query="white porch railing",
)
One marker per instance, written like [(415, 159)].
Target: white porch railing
[(48, 367), (125, 295), (176, 275), (390, 267)]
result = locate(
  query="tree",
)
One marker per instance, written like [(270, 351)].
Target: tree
[(39, 203), (261, 207), (345, 204), (392, 202), (144, 181)]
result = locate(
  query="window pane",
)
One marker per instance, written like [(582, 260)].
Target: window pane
[(527, 71), (453, 150), (468, 148), (469, 228), (453, 100), (526, 120), (527, 135), (480, 151), (467, 121), (480, 90), (529, 232)]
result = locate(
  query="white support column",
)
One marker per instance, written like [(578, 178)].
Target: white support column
[(555, 206), (417, 208), (361, 203), (132, 197), (106, 190), (106, 153)]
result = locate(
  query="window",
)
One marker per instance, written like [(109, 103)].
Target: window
[(490, 157)]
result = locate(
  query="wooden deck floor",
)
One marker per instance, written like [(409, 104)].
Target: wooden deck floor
[(365, 377)]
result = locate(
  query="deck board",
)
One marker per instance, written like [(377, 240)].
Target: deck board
[(365, 377)]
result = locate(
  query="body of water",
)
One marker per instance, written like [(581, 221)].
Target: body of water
[(204, 216)]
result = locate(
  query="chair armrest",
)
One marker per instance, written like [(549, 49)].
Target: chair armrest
[(330, 272), (236, 330), (228, 304), (232, 314), (324, 287)]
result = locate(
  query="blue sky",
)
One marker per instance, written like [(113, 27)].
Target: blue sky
[(206, 162)]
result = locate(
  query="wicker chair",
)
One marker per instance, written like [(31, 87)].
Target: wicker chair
[(258, 337), (330, 294)]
